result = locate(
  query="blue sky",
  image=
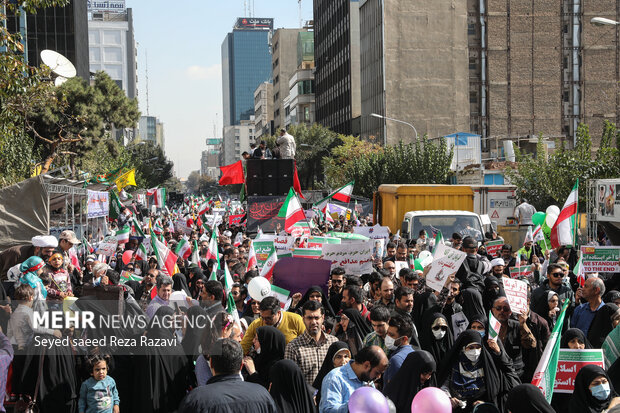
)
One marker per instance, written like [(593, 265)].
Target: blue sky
[(182, 40)]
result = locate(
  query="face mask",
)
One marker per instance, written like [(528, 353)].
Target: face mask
[(601, 392), (439, 334), (482, 333), (258, 350), (389, 342), (473, 355)]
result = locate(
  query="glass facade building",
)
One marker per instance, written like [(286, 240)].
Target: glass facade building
[(246, 63)]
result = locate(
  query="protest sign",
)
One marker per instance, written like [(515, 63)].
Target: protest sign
[(376, 232), (446, 263), (210, 218), (524, 271), (263, 212), (459, 323), (516, 293), (299, 274), (307, 253), (319, 241), (235, 219), (354, 257), (347, 236), (98, 204), (600, 259), (570, 361), (399, 266), (283, 245), (107, 248), (493, 247), (263, 249)]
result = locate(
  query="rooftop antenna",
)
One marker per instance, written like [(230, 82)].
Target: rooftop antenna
[(146, 64), (301, 21)]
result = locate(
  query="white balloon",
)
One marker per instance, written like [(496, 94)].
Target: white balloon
[(425, 258), (259, 288), (550, 219), (553, 209)]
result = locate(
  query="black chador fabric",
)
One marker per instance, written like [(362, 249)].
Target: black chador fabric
[(272, 345), (160, 369), (422, 303), (406, 383), (428, 342), (582, 400), (329, 312), (327, 366), (601, 325), (527, 398), (179, 283), (289, 389)]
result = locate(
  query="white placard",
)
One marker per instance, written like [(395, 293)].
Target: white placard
[(516, 293), (354, 257), (459, 323), (446, 263), (376, 232)]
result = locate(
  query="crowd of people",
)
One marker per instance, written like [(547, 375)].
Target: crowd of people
[(384, 329)]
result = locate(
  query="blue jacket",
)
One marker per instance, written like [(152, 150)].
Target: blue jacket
[(98, 396)]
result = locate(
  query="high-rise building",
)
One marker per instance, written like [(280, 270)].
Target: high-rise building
[(246, 63), (337, 57), (111, 43), (150, 129), (263, 110), (62, 29), (210, 159), (284, 64), (301, 100), (237, 139), (414, 68)]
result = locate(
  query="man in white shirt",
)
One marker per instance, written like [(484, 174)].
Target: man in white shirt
[(287, 145)]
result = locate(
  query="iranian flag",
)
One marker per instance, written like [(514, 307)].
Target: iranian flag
[(579, 272), (238, 239), (529, 236), (137, 228), (544, 376), (204, 207), (212, 251), (231, 307), (269, 265), (438, 240), (122, 235), (165, 258), (157, 228), (538, 234), (494, 327), (140, 253), (291, 210), (195, 253), (281, 294), (564, 229), (252, 261), (184, 249), (343, 194)]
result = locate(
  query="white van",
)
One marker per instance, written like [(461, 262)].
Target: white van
[(447, 221)]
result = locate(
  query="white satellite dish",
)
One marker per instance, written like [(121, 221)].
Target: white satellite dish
[(59, 64), (60, 80)]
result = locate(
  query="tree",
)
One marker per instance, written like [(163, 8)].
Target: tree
[(200, 184), (422, 162), (336, 165), (152, 166), (548, 180)]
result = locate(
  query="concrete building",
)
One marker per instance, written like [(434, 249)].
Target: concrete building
[(414, 68), (237, 139), (263, 110), (62, 29), (246, 63), (301, 98), (284, 64), (150, 129), (541, 67), (337, 57), (210, 159), (111, 44)]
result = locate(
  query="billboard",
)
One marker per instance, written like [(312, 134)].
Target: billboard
[(110, 6), (254, 23), (608, 200)]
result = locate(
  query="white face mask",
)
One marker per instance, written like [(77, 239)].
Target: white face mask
[(473, 355), (258, 350), (439, 334), (389, 342)]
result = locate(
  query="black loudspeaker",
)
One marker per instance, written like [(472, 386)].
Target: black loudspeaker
[(269, 177)]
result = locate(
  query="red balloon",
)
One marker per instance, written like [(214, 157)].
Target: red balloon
[(127, 255)]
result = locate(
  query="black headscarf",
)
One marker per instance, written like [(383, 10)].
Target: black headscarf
[(160, 379), (611, 296), (601, 325), (194, 287), (438, 348), (363, 326), (329, 311), (328, 362), (195, 273), (272, 345), (197, 317), (527, 398), (489, 295), (492, 375), (179, 283), (406, 383), (582, 400), (572, 333), (614, 374), (421, 303), (289, 389)]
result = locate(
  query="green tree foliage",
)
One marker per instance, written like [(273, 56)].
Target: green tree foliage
[(548, 180), (202, 184), (336, 165), (152, 166), (422, 162)]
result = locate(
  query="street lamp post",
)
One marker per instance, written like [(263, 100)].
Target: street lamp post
[(601, 21), (376, 115)]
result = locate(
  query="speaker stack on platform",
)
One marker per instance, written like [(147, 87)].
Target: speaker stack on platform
[(269, 177)]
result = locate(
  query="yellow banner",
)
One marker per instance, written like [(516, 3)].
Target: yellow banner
[(128, 178)]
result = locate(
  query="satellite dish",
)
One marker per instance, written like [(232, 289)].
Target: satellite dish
[(59, 64), (60, 80)]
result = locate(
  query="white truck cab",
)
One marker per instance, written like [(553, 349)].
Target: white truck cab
[(447, 221)]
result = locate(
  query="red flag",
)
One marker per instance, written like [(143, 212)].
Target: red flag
[(232, 174), (296, 184)]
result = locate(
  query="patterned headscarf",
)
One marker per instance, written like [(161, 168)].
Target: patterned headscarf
[(29, 276)]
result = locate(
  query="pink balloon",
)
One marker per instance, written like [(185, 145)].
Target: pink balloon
[(431, 400), (368, 400), (127, 255)]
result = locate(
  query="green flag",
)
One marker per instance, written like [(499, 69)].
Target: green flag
[(544, 376), (115, 205)]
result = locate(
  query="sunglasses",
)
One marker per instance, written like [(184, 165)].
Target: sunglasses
[(557, 274), (504, 309), (437, 328)]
